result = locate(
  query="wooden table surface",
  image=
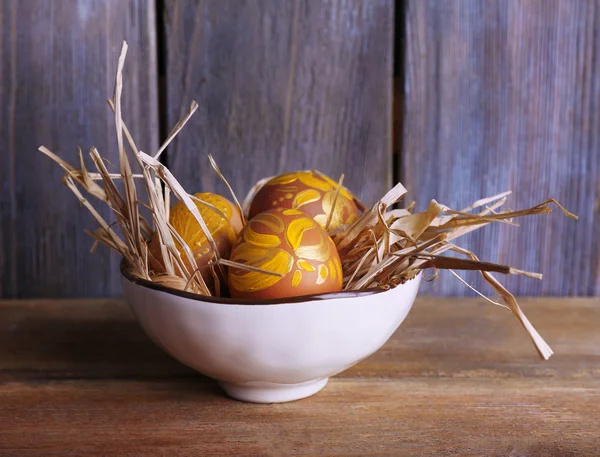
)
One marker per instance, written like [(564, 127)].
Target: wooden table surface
[(459, 377)]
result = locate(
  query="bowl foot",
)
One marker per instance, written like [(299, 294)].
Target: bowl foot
[(267, 392)]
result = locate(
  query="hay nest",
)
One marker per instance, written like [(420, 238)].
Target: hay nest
[(384, 248)]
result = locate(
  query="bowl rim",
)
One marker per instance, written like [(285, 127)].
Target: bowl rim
[(126, 273)]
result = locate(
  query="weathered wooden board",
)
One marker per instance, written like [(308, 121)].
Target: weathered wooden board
[(458, 378), (58, 64), (282, 85), (506, 95), (496, 95)]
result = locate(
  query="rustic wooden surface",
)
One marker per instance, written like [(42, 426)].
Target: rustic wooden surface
[(58, 65), (282, 86), (458, 378), (506, 95)]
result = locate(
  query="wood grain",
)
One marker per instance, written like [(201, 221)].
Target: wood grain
[(458, 378), (282, 86), (58, 66), (505, 95)]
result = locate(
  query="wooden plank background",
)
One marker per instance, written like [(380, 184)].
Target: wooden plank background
[(506, 95), (58, 65), (491, 95), (287, 86)]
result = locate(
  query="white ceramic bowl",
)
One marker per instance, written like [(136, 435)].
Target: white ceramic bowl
[(273, 351)]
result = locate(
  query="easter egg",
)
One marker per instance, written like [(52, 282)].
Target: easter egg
[(223, 221), (287, 242), (309, 192)]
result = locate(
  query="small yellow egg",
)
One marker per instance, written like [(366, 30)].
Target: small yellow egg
[(224, 225)]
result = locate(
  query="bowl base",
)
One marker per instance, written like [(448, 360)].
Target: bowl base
[(267, 392)]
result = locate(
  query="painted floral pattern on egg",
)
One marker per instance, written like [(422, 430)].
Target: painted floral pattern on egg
[(309, 192), (290, 243), (223, 221)]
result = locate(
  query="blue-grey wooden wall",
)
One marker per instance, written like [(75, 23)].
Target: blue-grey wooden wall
[(57, 66), (505, 94), (489, 96)]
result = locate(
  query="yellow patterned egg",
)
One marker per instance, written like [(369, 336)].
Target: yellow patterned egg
[(223, 221), (309, 192), (288, 242)]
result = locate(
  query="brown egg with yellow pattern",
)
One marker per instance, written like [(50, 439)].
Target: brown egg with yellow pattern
[(310, 192), (223, 220), (287, 242)]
